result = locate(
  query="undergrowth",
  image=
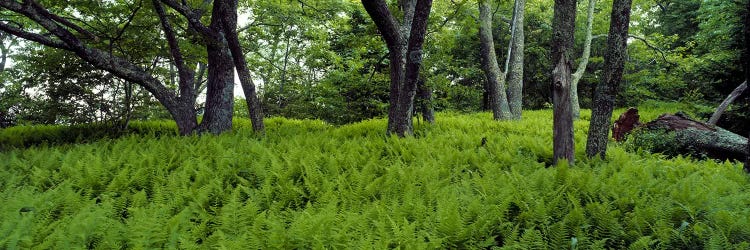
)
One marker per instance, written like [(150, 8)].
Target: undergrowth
[(306, 184)]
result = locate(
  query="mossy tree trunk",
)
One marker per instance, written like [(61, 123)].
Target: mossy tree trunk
[(604, 95), (515, 71), (495, 84), (679, 134), (563, 29)]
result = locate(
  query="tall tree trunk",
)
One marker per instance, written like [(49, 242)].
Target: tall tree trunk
[(495, 85), (398, 122), (413, 64), (248, 87), (515, 72), (404, 66), (746, 66), (584, 61), (220, 93), (563, 28), (606, 91)]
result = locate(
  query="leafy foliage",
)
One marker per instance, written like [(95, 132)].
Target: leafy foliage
[(306, 184)]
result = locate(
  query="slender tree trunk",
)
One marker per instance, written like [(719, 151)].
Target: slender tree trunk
[(248, 87), (563, 28), (746, 66), (424, 94), (515, 72), (584, 61), (495, 84), (606, 91), (725, 104)]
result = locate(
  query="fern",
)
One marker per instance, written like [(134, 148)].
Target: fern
[(306, 184)]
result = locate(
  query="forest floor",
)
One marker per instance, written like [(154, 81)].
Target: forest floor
[(306, 184)]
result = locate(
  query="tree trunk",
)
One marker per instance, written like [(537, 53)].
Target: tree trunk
[(404, 122), (515, 72), (495, 84), (254, 108), (606, 91), (690, 137), (220, 93), (725, 104), (563, 28), (746, 66), (424, 97), (404, 66), (584, 61)]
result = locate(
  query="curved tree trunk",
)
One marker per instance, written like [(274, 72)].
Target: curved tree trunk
[(604, 96), (563, 28), (495, 88), (584, 61), (515, 72), (725, 104)]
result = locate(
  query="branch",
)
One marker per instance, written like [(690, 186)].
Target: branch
[(657, 49), (449, 18), (44, 40), (663, 55), (98, 58), (186, 76), (385, 22), (61, 20), (194, 18), (723, 106)]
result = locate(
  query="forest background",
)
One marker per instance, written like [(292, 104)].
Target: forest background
[(326, 60)]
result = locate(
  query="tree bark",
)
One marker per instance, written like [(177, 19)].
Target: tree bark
[(746, 66), (725, 104), (389, 30), (584, 60), (563, 28), (605, 93), (254, 108), (404, 66), (515, 72), (691, 137), (495, 84), (413, 65), (424, 95), (220, 87)]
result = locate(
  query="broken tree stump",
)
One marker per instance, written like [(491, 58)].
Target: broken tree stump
[(626, 123)]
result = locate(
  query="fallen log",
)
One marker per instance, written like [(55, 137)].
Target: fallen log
[(679, 134)]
